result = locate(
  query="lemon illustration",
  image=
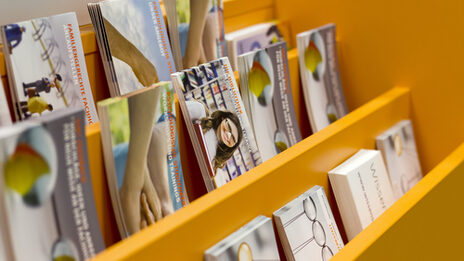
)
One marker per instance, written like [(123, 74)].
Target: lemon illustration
[(281, 146), (312, 58), (332, 117), (64, 258), (24, 167), (258, 79)]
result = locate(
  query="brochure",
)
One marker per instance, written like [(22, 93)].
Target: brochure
[(267, 95), (362, 190), (216, 121), (133, 42), (250, 39), (307, 228), (398, 148), (196, 31), (142, 158), (46, 66), (320, 75), (47, 201), (253, 241)]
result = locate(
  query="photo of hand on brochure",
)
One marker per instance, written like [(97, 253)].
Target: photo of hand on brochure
[(201, 31), (39, 60), (137, 41), (145, 158)]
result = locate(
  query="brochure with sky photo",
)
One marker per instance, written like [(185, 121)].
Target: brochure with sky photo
[(362, 190), (251, 38), (47, 196), (196, 29), (46, 66), (216, 121), (253, 241), (320, 75), (142, 157), (398, 148), (267, 95), (307, 228), (5, 118), (133, 43)]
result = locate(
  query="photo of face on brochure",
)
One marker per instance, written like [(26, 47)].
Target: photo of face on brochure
[(319, 68), (147, 173), (267, 95), (200, 25), (46, 66), (138, 43), (217, 121)]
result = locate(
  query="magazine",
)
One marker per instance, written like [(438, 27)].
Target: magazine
[(5, 118), (216, 121), (398, 148), (253, 241), (251, 38), (267, 95), (46, 66), (47, 195), (307, 228), (362, 190), (142, 157), (320, 75), (196, 29), (133, 43)]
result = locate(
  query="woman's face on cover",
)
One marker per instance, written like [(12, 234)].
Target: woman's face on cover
[(227, 132)]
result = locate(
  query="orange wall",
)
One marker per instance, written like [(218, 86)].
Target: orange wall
[(418, 44)]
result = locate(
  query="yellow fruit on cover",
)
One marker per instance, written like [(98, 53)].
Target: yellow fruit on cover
[(332, 117), (281, 146), (23, 169), (64, 258), (258, 79), (312, 57)]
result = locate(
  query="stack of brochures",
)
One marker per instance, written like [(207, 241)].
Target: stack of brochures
[(133, 43)]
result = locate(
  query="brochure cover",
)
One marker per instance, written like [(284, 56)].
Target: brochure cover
[(133, 42), (216, 121), (196, 30), (307, 228), (267, 95), (142, 157), (47, 190), (5, 118), (322, 88), (362, 190), (251, 38), (253, 241), (398, 148), (46, 66)]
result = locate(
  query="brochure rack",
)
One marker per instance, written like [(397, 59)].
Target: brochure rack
[(377, 51)]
